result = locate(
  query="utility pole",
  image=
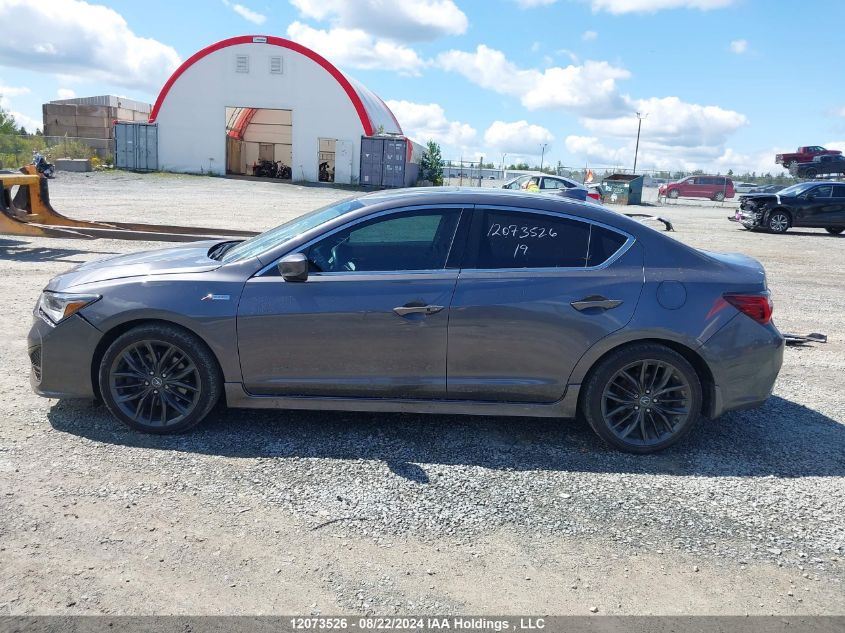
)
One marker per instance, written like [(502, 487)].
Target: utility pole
[(542, 155), (504, 173), (481, 170), (640, 117)]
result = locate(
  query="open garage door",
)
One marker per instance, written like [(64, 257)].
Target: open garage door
[(259, 142)]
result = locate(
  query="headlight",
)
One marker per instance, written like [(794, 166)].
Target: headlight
[(57, 306)]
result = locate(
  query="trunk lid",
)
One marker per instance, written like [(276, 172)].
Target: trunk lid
[(745, 271)]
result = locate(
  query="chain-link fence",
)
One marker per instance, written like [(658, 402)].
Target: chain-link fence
[(474, 173), (16, 149)]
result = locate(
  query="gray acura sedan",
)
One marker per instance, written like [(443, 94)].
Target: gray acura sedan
[(458, 301)]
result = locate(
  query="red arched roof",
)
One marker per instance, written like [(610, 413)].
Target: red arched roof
[(354, 92), (242, 122)]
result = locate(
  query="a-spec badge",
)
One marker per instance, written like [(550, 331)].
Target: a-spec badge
[(212, 297)]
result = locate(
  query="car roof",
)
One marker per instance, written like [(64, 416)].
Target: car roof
[(500, 197)]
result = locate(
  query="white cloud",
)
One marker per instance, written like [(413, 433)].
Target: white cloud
[(78, 38), (246, 13), (427, 121), (590, 148), (739, 46), (840, 145), (66, 93), (672, 122), (415, 21), (650, 6), (13, 91), (518, 137), (589, 36), (24, 120), (357, 49), (587, 87), (839, 111)]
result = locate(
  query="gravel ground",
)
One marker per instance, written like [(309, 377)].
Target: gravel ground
[(314, 512)]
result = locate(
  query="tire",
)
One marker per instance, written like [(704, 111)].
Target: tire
[(49, 172), (615, 411), (834, 231), (778, 222), (673, 193), (719, 196), (182, 400), (809, 173)]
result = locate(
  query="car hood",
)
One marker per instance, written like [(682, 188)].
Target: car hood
[(763, 197), (187, 258)]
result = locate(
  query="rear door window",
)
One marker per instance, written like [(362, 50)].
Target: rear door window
[(552, 183), (839, 191), (502, 239)]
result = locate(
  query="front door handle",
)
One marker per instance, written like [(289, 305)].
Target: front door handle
[(595, 301), (417, 309)]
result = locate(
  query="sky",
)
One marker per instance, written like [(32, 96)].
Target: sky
[(720, 84)]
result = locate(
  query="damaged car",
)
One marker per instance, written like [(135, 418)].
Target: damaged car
[(818, 205)]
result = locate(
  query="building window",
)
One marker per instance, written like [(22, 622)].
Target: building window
[(242, 63), (276, 66)]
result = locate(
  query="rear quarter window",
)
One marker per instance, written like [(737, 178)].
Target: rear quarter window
[(604, 244)]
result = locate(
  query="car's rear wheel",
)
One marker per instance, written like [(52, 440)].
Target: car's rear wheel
[(673, 193), (719, 196), (642, 398), (159, 378), (834, 231), (778, 222)]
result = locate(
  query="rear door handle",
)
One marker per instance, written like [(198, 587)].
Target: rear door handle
[(599, 302), (417, 309)]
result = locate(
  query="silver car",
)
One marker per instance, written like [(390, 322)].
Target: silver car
[(457, 301)]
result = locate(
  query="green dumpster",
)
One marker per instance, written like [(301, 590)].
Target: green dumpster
[(623, 189)]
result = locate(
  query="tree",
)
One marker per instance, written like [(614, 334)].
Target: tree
[(8, 125), (431, 164)]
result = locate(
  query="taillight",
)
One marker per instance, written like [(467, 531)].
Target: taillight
[(758, 307), (594, 195)]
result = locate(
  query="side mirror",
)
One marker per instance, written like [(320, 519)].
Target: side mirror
[(294, 267)]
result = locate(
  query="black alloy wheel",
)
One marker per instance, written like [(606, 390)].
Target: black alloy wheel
[(643, 398), (159, 379)]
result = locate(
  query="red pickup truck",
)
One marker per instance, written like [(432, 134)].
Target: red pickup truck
[(804, 155)]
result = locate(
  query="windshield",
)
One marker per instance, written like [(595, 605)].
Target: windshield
[(284, 232), (795, 190)]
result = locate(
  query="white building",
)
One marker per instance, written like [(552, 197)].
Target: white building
[(250, 99)]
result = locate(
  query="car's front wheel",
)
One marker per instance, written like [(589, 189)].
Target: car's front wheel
[(159, 378), (834, 230), (719, 196), (642, 398), (778, 222)]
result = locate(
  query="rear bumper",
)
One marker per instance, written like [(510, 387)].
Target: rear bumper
[(61, 356), (745, 359)]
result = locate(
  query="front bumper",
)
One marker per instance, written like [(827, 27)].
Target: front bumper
[(748, 217), (745, 359), (61, 356)]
